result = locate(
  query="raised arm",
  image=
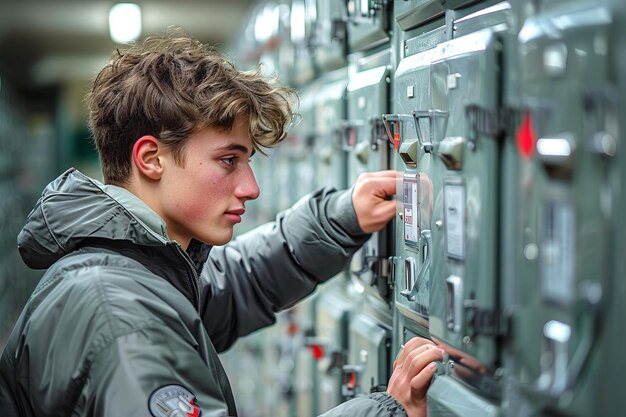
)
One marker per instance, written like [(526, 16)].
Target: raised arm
[(270, 268)]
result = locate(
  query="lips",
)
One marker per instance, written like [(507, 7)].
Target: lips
[(235, 215)]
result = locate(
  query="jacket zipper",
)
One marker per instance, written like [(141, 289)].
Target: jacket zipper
[(194, 275)]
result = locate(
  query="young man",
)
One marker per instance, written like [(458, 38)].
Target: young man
[(136, 301)]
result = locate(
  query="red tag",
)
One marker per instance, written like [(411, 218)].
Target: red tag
[(526, 137), (396, 137), (317, 351)]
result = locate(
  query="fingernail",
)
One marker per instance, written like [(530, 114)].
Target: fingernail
[(432, 366)]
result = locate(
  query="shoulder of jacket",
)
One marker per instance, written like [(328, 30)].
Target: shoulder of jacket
[(79, 265)]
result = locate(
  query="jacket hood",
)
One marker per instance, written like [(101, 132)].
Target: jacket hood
[(75, 207)]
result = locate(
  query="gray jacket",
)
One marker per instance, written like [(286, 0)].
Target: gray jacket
[(127, 323)]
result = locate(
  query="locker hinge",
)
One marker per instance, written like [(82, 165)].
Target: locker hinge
[(481, 122), (378, 133), (483, 321)]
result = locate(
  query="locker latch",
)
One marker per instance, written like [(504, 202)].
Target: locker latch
[(481, 122), (437, 125), (351, 380), (378, 133), (481, 321), (394, 126)]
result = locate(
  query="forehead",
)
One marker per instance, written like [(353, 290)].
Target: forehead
[(237, 133), (214, 138)]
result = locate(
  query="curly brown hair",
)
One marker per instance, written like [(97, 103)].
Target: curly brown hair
[(171, 87)]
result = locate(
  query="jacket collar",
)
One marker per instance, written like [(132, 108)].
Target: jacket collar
[(75, 211)]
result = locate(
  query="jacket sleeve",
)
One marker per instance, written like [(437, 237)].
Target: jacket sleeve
[(130, 373), (379, 404), (271, 267)]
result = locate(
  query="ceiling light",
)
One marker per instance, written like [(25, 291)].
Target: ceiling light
[(125, 22)]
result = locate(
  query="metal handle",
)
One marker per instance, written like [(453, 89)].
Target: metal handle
[(455, 302), (431, 115), (412, 289), (409, 279)]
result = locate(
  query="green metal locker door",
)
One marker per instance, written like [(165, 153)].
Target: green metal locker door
[(368, 368), (368, 147), (568, 141), (414, 193), (330, 39), (303, 23), (306, 380), (332, 317), (464, 280), (412, 156), (299, 146), (410, 14), (330, 116), (368, 24)]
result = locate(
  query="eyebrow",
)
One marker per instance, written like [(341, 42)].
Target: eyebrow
[(235, 147)]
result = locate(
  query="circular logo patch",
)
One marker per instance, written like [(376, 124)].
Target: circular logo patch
[(173, 401)]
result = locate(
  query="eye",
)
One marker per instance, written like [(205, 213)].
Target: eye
[(230, 161)]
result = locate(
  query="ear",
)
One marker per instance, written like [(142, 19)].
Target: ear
[(146, 157)]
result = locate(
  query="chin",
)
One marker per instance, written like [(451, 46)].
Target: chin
[(217, 240)]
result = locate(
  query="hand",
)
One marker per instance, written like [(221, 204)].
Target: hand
[(371, 202), (412, 372)]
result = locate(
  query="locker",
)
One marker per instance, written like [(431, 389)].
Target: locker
[(306, 380), (368, 150), (330, 40), (299, 146), (368, 366), (413, 13), (464, 295), (413, 157), (303, 24), (333, 314), (368, 24), (330, 117), (567, 139), (335, 303)]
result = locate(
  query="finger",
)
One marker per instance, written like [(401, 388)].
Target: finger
[(383, 211), (384, 186), (412, 344), (380, 217), (420, 361), (420, 382), (387, 173), (417, 342), (413, 354)]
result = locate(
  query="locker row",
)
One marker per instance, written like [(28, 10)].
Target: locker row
[(502, 120)]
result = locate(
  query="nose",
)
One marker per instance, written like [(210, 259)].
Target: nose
[(247, 187)]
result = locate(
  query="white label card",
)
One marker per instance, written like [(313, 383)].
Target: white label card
[(411, 211), (454, 207)]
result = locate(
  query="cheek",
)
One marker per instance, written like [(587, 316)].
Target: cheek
[(201, 199)]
